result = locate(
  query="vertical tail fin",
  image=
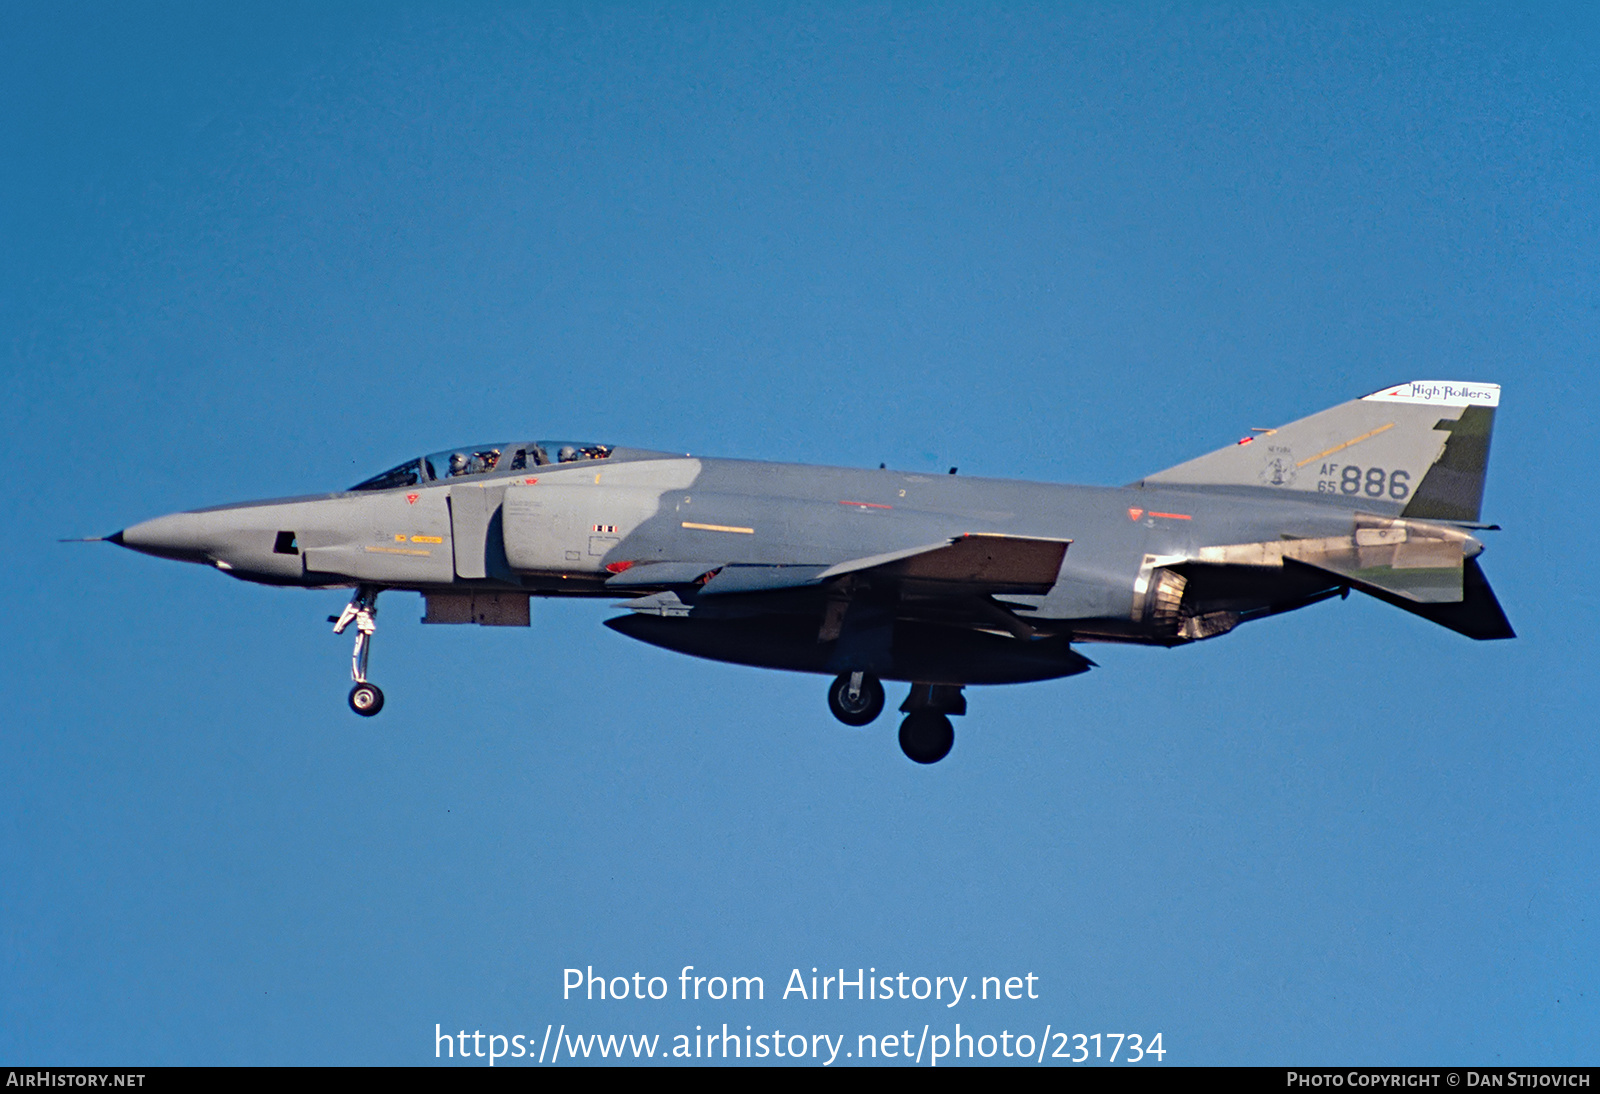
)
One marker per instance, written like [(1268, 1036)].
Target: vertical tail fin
[(1416, 450)]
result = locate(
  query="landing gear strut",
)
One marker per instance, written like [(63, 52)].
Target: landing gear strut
[(856, 698), (926, 735), (366, 699)]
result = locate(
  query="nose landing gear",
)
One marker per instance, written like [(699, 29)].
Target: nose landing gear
[(366, 699)]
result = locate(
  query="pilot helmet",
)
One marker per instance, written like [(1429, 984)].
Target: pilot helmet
[(567, 454), (458, 463)]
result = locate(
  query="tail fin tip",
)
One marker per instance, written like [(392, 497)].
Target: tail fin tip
[(1438, 393)]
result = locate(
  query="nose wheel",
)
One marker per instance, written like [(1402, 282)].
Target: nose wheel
[(366, 699)]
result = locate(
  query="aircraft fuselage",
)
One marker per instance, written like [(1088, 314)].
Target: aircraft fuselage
[(939, 580), (583, 529)]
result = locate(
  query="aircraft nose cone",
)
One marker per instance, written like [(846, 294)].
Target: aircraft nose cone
[(179, 536)]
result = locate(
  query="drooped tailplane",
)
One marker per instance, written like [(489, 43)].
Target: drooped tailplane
[(1416, 450)]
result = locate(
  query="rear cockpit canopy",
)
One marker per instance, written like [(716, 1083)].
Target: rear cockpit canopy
[(482, 459)]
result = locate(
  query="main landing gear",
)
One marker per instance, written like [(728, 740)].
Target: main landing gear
[(926, 735), (856, 698), (366, 699)]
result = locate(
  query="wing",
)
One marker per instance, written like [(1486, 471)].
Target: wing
[(974, 564), (978, 563), (928, 613), (952, 582)]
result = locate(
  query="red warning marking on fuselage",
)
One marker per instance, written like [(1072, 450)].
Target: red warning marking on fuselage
[(1171, 516), (530, 482), (618, 567), (411, 499), (867, 504), (1135, 514), (1246, 440)]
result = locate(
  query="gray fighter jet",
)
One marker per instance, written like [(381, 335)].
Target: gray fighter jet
[(866, 576)]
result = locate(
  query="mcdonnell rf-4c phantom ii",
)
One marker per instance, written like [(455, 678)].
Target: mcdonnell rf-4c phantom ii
[(866, 576)]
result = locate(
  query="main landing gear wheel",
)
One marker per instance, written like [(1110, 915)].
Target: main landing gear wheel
[(366, 699), (926, 736), (856, 698)]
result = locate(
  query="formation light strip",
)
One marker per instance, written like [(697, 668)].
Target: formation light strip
[(719, 528)]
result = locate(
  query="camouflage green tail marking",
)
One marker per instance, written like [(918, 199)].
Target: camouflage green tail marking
[(1453, 487)]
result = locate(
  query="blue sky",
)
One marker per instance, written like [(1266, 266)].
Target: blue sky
[(271, 250)]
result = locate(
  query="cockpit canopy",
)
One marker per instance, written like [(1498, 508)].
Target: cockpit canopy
[(481, 459)]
